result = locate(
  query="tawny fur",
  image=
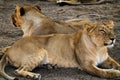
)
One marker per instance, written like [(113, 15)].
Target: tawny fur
[(85, 49)]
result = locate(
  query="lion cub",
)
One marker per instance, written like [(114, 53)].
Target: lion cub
[(86, 49)]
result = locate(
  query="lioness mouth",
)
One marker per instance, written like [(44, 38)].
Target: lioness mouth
[(110, 44)]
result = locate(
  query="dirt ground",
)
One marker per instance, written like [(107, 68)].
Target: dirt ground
[(9, 34)]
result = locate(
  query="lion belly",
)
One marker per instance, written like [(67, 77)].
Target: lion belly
[(62, 56), (61, 52), (62, 62)]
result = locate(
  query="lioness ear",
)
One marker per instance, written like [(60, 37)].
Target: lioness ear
[(111, 23), (22, 11), (88, 27)]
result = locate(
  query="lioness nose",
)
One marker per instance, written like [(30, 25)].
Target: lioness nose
[(112, 38)]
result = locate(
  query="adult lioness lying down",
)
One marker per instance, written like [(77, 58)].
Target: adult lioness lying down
[(33, 22), (85, 49)]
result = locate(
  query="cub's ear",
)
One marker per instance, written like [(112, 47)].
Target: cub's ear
[(38, 7), (22, 11)]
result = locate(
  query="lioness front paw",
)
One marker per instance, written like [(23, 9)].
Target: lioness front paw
[(35, 77)]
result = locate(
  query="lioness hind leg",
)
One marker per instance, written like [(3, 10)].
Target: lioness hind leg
[(111, 63), (28, 74), (38, 57), (106, 73)]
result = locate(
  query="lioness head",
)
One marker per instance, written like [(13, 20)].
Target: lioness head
[(20, 13), (102, 33)]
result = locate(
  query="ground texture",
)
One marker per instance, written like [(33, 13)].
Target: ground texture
[(9, 34)]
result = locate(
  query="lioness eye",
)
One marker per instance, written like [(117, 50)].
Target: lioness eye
[(102, 31)]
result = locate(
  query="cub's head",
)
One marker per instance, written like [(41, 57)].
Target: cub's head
[(22, 13), (101, 33)]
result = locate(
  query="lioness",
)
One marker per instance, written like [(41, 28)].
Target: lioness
[(86, 49), (33, 22)]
